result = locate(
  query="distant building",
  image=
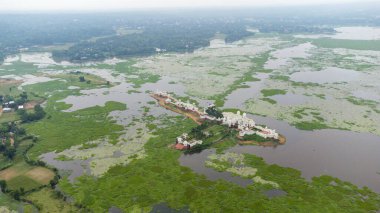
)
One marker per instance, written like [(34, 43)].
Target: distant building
[(178, 103), (237, 120), (6, 109), (183, 142), (20, 107), (247, 126)]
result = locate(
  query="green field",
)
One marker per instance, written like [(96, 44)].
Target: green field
[(63, 82), (18, 68), (9, 117), (22, 175), (61, 130), (49, 201)]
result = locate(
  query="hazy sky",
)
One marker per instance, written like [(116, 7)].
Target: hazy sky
[(28, 5)]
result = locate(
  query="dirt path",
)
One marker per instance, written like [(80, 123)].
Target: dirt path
[(32, 104), (6, 81)]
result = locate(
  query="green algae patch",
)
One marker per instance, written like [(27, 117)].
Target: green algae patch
[(134, 74), (102, 155), (269, 100), (272, 92)]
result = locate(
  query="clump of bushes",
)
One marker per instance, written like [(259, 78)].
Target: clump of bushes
[(38, 114)]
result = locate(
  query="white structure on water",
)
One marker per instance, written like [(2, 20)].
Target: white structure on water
[(247, 126), (162, 93), (186, 106), (184, 140), (237, 120), (178, 103)]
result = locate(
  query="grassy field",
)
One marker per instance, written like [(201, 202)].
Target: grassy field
[(8, 117), (159, 178), (9, 87), (48, 201), (26, 176), (64, 82), (7, 203), (18, 68)]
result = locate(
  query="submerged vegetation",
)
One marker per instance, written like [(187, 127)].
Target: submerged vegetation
[(272, 92), (61, 130)]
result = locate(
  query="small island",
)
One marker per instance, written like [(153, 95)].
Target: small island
[(214, 126)]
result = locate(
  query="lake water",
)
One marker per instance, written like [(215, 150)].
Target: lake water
[(328, 75), (283, 56), (196, 162), (350, 33), (367, 95), (75, 168), (350, 156), (290, 99), (238, 97)]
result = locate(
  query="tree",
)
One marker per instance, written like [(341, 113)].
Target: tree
[(2, 147), (3, 185), (24, 95), (38, 114), (214, 112), (39, 111), (10, 153), (22, 191), (16, 195)]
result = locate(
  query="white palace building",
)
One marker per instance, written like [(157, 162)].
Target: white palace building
[(241, 122)]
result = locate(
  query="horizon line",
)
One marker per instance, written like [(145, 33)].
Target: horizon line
[(180, 8)]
